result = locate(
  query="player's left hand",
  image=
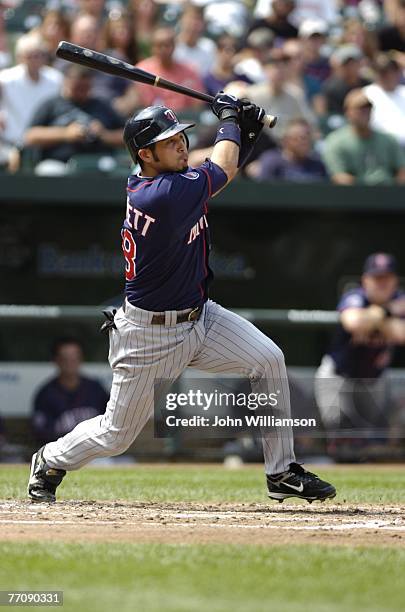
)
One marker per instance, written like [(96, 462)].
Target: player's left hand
[(225, 106), (251, 119)]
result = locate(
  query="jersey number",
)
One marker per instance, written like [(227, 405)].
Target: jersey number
[(129, 249)]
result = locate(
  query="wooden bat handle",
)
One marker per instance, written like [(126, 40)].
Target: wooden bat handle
[(270, 121)]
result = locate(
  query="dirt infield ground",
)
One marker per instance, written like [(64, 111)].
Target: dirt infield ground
[(189, 523)]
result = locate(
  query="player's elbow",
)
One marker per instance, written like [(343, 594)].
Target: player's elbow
[(231, 172)]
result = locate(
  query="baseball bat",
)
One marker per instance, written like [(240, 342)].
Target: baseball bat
[(111, 65)]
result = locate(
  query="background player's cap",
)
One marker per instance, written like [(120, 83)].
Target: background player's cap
[(380, 263), (151, 125)]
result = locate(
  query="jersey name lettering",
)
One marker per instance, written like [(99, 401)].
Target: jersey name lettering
[(195, 230), (137, 219)]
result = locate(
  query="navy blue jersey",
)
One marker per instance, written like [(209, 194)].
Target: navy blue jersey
[(58, 410), (165, 238), (362, 357)]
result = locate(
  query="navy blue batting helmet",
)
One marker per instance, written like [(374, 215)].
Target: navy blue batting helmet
[(151, 125)]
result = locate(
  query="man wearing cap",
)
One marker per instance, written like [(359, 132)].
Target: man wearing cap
[(313, 33), (250, 60), (349, 384), (388, 98), (346, 66), (356, 153)]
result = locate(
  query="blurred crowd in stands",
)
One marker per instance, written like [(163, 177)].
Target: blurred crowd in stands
[(333, 71)]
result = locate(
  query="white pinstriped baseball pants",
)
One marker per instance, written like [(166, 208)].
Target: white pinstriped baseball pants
[(220, 341)]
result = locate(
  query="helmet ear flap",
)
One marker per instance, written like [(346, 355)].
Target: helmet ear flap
[(187, 140), (133, 151)]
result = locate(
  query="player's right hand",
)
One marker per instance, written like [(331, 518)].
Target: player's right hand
[(226, 106), (251, 119)]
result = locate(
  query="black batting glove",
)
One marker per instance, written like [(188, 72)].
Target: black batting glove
[(251, 120), (251, 125), (226, 106)]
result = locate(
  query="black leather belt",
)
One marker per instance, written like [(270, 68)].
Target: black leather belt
[(160, 319), (184, 317)]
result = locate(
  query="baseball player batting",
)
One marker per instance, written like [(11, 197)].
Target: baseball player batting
[(167, 322)]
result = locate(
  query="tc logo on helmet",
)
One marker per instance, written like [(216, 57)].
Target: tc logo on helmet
[(170, 115)]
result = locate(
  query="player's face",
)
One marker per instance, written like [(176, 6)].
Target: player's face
[(169, 155), (380, 288), (69, 359)]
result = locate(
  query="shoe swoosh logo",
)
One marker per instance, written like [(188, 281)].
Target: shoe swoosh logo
[(299, 489)]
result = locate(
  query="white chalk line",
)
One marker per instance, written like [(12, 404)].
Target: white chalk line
[(380, 525)]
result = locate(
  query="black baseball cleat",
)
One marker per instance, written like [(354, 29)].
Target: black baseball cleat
[(43, 479), (297, 482)]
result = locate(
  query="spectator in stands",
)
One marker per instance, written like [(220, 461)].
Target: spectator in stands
[(294, 162), (69, 398), (249, 61), (5, 56), (118, 41), (86, 32), (94, 8), (278, 21), (356, 33), (54, 28), (25, 87), (230, 16), (390, 9), (74, 122), (392, 37), (119, 37), (275, 96), (346, 65), (145, 16), (327, 10), (349, 384), (163, 64), (358, 154), (314, 33), (222, 70), (387, 96), (306, 86), (192, 48)]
